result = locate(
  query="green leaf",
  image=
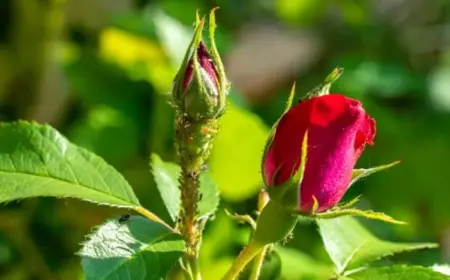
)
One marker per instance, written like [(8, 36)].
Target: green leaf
[(397, 272), (36, 160), (131, 250), (350, 245), (441, 268), (166, 176), (236, 157), (210, 195), (297, 265), (361, 173)]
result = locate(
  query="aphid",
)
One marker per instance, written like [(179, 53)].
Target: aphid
[(124, 218)]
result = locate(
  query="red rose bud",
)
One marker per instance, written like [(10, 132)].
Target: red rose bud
[(338, 129), (200, 87)]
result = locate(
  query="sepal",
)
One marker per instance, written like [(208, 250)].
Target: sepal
[(288, 193), (361, 173), (324, 88), (274, 224)]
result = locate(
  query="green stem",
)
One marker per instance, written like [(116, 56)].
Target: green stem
[(194, 142), (185, 269), (188, 224), (188, 218), (257, 264), (195, 269), (246, 256)]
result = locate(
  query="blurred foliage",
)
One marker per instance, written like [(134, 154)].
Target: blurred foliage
[(100, 72)]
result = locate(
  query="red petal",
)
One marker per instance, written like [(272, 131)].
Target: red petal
[(188, 74), (206, 63), (269, 167), (205, 60), (365, 135)]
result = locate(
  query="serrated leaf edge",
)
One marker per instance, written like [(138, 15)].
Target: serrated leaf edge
[(96, 228), (127, 205)]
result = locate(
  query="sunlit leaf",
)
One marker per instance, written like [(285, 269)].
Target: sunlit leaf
[(35, 160), (397, 272), (166, 176), (441, 268), (350, 245), (134, 249), (210, 196)]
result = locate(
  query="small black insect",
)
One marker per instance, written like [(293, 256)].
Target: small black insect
[(124, 218)]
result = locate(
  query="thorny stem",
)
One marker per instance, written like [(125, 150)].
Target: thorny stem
[(246, 256), (194, 143), (254, 250), (257, 264), (195, 269), (188, 219), (263, 199), (189, 198)]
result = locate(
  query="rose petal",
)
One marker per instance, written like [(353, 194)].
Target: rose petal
[(269, 167)]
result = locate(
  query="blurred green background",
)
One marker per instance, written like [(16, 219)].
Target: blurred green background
[(100, 71)]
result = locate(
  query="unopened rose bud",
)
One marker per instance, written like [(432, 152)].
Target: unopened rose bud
[(200, 87), (337, 129)]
